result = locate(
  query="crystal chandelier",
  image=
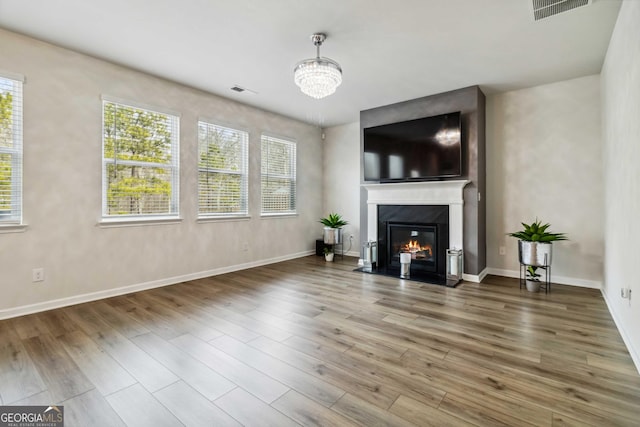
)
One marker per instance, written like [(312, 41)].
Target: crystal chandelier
[(318, 77)]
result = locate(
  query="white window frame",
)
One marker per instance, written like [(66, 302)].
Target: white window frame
[(13, 221), (243, 173), (173, 167), (266, 138)]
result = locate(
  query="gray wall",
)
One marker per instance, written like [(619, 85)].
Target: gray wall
[(544, 160), (63, 180), (341, 180), (471, 103), (621, 131)]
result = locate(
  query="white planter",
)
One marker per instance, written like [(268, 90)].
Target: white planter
[(533, 286), (332, 236), (537, 254), (329, 257)]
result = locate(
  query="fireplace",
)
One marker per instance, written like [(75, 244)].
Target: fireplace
[(419, 240), (431, 203), (423, 231)]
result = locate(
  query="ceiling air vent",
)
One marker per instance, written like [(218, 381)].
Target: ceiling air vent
[(546, 8), (240, 89)]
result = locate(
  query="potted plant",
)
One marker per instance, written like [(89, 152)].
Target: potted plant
[(534, 250), (328, 254), (532, 279), (333, 224)]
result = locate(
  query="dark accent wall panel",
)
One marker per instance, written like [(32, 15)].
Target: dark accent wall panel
[(470, 102)]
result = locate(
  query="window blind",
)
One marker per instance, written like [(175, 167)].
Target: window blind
[(278, 175), (140, 162), (222, 170), (10, 151)]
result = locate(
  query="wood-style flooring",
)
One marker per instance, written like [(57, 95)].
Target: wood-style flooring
[(306, 342)]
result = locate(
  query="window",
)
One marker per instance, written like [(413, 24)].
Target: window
[(278, 180), (10, 151), (222, 170), (140, 170)]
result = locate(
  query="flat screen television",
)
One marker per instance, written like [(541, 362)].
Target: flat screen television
[(416, 150)]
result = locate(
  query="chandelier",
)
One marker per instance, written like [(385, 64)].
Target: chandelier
[(318, 77)]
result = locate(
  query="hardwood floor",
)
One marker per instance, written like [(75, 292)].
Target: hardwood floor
[(306, 342)]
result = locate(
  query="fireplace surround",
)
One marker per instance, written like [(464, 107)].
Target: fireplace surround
[(437, 204)]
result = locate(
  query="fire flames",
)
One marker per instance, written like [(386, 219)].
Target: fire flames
[(417, 250)]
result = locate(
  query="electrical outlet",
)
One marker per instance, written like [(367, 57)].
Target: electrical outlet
[(245, 247), (38, 274), (503, 250), (625, 293)]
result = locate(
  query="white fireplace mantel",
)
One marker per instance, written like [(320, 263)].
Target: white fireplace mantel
[(418, 193)]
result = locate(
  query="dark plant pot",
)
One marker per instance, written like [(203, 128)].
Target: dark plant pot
[(537, 254), (332, 236)]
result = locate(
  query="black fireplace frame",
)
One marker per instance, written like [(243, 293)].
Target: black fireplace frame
[(421, 215)]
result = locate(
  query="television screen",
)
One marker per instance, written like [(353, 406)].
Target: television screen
[(419, 149)]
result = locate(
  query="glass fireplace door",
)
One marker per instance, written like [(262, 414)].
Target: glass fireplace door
[(418, 239)]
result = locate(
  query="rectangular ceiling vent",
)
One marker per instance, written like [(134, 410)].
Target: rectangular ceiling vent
[(240, 89), (546, 8)]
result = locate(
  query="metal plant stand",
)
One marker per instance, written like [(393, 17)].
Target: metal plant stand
[(546, 284), (335, 246)]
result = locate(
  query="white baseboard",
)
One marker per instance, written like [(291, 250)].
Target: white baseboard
[(561, 280), (475, 278), (635, 355), (94, 296)]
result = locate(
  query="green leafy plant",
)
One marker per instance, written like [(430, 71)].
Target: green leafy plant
[(537, 232), (328, 250), (531, 273), (333, 220)]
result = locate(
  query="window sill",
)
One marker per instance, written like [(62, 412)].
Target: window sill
[(279, 215), (223, 218), (137, 222), (13, 228)]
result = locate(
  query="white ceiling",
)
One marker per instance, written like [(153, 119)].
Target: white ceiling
[(390, 51)]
